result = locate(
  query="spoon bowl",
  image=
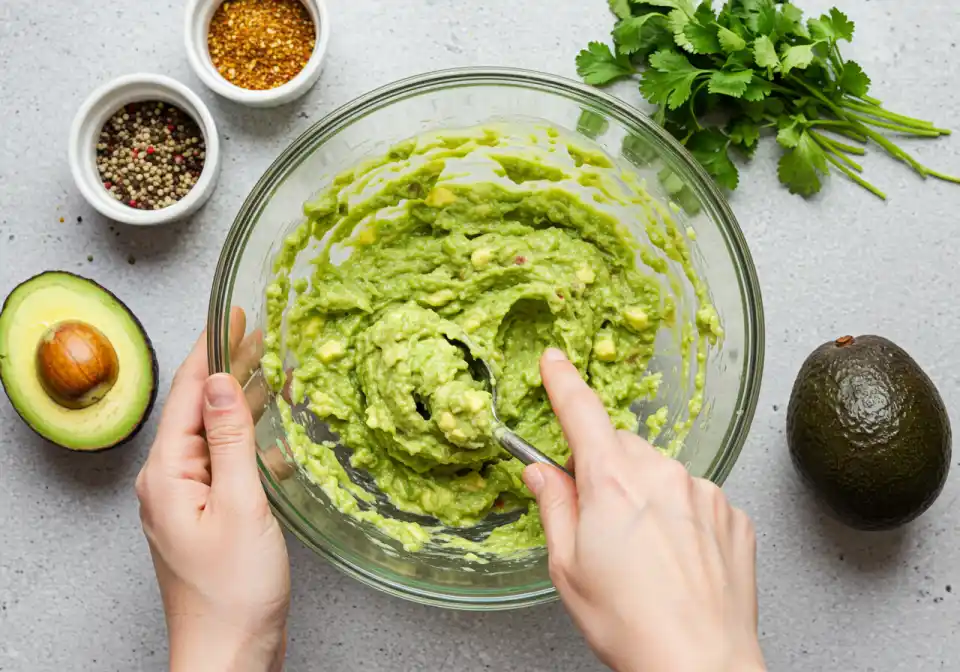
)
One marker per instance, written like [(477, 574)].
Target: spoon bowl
[(513, 443)]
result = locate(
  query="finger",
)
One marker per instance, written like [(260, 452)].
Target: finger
[(182, 413), (257, 393), (743, 559), (557, 498), (639, 448), (230, 440), (582, 416), (245, 358)]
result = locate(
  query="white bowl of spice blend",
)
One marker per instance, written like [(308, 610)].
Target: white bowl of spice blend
[(260, 53), (144, 150)]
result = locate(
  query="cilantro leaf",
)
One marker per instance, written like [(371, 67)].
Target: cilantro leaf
[(740, 60), (843, 25), (799, 56), (695, 33), (744, 132), (800, 168), (642, 34), (730, 83), (591, 124), (758, 89), (679, 21), (701, 39), (833, 26), (790, 21), (759, 15), (773, 106), (854, 80), (790, 131), (597, 65), (765, 53), (730, 42), (685, 6), (669, 79), (710, 149), (621, 8)]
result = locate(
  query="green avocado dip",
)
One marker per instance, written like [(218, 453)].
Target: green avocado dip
[(512, 238)]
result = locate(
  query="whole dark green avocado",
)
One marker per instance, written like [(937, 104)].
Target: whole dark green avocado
[(869, 433)]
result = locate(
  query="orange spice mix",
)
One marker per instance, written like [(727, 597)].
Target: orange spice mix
[(261, 44)]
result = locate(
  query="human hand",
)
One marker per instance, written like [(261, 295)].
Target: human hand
[(219, 554), (655, 567)]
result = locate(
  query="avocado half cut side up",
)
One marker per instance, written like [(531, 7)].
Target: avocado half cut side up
[(868, 432), (77, 365)]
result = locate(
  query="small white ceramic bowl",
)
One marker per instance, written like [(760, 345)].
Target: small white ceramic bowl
[(197, 27), (100, 106)]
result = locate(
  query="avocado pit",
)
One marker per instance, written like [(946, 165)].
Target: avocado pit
[(77, 364)]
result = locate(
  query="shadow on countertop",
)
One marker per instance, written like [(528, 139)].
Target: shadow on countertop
[(874, 553)]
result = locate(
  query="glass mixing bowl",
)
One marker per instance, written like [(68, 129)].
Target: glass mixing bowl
[(457, 99)]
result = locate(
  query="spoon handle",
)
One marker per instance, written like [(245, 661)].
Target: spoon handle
[(523, 451)]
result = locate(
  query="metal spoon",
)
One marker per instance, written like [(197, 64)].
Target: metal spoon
[(511, 442)]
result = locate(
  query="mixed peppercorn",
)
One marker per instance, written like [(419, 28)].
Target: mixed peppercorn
[(150, 155)]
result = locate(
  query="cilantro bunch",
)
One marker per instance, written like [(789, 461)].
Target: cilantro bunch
[(718, 80)]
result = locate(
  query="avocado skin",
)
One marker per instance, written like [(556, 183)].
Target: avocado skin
[(868, 432), (155, 368)]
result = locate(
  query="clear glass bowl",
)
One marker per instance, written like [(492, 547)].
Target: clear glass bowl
[(456, 99)]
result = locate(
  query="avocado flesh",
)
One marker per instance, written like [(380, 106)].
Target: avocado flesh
[(54, 297), (868, 431)]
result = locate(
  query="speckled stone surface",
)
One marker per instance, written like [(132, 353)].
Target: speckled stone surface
[(77, 588)]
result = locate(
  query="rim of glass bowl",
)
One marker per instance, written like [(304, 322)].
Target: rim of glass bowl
[(703, 185)]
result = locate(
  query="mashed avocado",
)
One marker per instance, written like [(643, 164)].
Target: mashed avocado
[(513, 238)]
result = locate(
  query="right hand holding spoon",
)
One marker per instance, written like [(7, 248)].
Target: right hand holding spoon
[(656, 568)]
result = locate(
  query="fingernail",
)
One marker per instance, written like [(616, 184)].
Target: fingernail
[(533, 478), (219, 391), (554, 355)]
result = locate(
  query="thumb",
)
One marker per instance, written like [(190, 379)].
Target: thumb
[(556, 496), (230, 439)]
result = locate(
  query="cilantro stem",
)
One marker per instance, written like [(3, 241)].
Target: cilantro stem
[(871, 100), (849, 133), (693, 111), (836, 50), (828, 122), (830, 149), (889, 116), (942, 176), (909, 130), (840, 127), (849, 149), (890, 147), (836, 63), (856, 178)]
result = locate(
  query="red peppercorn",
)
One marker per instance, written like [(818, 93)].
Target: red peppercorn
[(170, 127), (178, 159), (108, 185), (135, 153), (133, 203), (149, 150), (520, 260)]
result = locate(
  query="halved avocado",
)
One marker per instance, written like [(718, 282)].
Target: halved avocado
[(75, 362)]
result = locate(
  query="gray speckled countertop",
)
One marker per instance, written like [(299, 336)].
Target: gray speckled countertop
[(76, 584)]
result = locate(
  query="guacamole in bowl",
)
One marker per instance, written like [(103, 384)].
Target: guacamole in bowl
[(511, 232)]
